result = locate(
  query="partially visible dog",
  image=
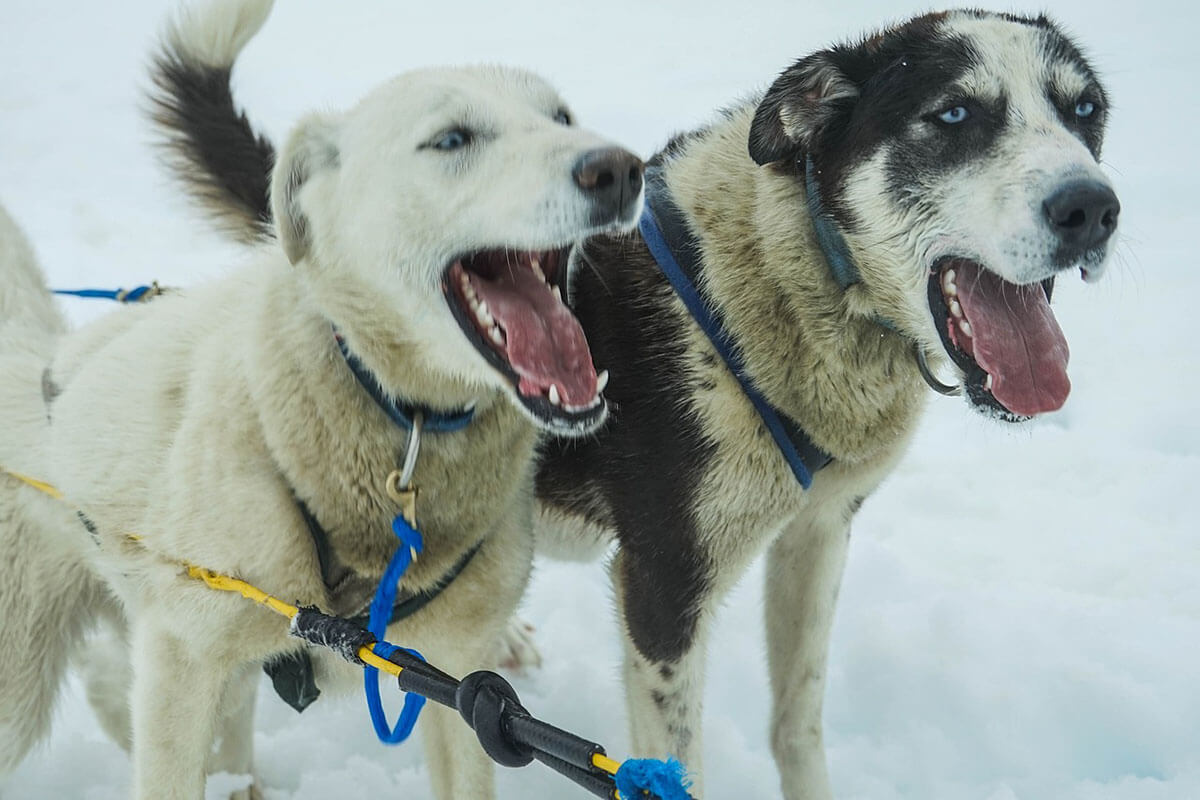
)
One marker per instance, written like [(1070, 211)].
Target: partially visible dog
[(896, 205), (226, 426)]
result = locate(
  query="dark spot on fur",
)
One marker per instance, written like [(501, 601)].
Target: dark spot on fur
[(659, 698), (89, 526), (50, 391), (681, 736), (666, 671)]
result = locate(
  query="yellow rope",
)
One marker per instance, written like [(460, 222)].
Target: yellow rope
[(221, 582), (41, 486), (224, 583), (605, 764)]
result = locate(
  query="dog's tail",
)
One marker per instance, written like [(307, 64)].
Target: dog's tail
[(223, 162), (30, 321)]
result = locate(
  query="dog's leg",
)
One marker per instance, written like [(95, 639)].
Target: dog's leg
[(804, 571), (46, 601), (235, 730), (176, 699), (664, 678), (104, 666)]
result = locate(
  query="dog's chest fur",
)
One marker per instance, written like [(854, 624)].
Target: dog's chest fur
[(685, 465), (253, 408)]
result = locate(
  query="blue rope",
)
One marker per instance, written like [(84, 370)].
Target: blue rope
[(119, 295), (662, 779), (380, 612), (712, 327)]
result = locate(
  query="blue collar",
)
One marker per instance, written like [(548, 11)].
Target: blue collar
[(402, 413), (673, 240)]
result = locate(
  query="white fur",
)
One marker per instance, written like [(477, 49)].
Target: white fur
[(194, 423)]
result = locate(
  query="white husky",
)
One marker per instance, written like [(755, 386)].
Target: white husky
[(429, 227)]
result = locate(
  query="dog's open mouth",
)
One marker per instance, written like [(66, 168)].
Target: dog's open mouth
[(509, 304), (1003, 336)]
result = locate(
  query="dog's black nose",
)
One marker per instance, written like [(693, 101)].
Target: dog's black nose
[(612, 177), (1083, 214)]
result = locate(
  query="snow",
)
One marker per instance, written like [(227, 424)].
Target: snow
[(1021, 610)]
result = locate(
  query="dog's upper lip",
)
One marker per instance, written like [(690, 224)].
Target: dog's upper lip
[(1007, 332)]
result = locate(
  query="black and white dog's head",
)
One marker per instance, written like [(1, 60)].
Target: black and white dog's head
[(958, 153)]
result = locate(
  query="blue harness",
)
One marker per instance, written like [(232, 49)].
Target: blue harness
[(674, 247)]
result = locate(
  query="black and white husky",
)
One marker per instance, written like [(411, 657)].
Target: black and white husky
[(887, 209)]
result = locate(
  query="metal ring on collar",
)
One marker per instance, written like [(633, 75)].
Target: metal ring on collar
[(927, 374)]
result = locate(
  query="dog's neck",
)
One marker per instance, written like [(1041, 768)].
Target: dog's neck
[(334, 444), (850, 382)]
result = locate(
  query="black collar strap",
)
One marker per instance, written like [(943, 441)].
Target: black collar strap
[(402, 413), (673, 246)]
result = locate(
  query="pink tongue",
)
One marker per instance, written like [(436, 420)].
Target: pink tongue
[(1015, 339), (544, 343)]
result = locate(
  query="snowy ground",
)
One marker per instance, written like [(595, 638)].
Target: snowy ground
[(1021, 611)]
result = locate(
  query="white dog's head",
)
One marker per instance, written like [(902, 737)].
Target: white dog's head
[(959, 155), (443, 207)]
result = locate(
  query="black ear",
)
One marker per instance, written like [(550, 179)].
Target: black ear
[(799, 109), (310, 150)]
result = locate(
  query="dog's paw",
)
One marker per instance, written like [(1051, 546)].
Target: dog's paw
[(516, 649), (251, 792)]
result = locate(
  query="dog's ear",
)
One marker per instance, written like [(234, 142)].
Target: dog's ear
[(310, 150), (799, 108)]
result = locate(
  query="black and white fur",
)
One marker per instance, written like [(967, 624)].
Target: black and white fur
[(950, 136)]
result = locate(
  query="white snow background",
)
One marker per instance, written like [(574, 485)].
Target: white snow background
[(1021, 610)]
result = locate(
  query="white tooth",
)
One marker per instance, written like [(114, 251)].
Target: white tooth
[(965, 327), (557, 294), (595, 402), (496, 337), (949, 289), (949, 276), (537, 269), (554, 398), (988, 383), (482, 307), (955, 308), (601, 381)]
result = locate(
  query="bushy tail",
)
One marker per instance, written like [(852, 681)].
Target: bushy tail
[(225, 165), (29, 319)]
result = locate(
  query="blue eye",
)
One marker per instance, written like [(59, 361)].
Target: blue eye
[(453, 140), (954, 115), (1085, 109)]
